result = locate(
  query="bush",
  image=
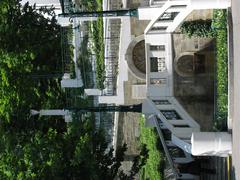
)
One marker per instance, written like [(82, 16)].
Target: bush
[(219, 25), (197, 28), (153, 168), (96, 32), (99, 50)]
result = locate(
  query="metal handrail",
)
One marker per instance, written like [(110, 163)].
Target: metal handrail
[(169, 158)]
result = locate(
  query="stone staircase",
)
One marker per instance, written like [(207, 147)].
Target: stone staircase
[(218, 163)]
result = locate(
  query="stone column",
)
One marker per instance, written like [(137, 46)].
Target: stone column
[(211, 144), (54, 112)]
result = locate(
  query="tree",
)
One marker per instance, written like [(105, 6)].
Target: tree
[(79, 153), (29, 44), (35, 147)]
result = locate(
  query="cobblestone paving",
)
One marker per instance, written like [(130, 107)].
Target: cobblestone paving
[(130, 123), (128, 127)]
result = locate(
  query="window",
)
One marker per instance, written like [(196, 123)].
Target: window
[(171, 115), (167, 134), (157, 64), (159, 120), (178, 6), (158, 2), (158, 81), (168, 16), (176, 152), (181, 125), (157, 48), (159, 28), (161, 102), (153, 64), (161, 65)]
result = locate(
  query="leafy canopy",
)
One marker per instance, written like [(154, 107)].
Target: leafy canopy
[(37, 147)]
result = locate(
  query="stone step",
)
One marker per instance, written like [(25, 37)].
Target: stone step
[(217, 163)]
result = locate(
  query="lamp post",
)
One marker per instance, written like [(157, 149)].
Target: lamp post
[(110, 13), (67, 113), (120, 108)]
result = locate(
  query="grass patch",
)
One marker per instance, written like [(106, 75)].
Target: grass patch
[(153, 169), (219, 25)]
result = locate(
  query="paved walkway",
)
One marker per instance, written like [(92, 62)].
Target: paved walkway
[(236, 89), (128, 126), (214, 163)]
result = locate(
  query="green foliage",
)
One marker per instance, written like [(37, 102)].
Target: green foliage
[(197, 28), (29, 44), (67, 51), (42, 147), (138, 163), (77, 152), (84, 63), (152, 168), (220, 27), (11, 98), (96, 32), (90, 5), (24, 28), (28, 157)]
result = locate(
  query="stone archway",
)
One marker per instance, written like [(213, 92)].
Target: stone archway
[(135, 57), (189, 63), (183, 64)]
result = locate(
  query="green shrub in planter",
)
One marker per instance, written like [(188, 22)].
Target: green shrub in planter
[(197, 28)]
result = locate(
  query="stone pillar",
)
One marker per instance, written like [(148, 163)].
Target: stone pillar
[(71, 83), (211, 144), (43, 3), (93, 92), (54, 112), (64, 21), (57, 112), (67, 82)]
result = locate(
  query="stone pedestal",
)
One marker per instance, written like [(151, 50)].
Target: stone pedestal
[(211, 144)]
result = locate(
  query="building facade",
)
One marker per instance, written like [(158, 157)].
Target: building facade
[(176, 128)]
